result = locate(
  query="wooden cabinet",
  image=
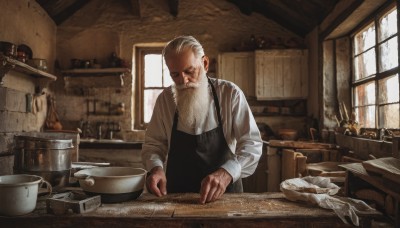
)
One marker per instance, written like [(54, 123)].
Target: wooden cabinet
[(281, 74), (238, 67), (267, 74)]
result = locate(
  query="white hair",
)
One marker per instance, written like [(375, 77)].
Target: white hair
[(181, 43)]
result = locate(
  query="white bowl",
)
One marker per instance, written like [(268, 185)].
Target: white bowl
[(18, 194)]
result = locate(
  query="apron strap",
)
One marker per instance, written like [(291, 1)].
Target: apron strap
[(216, 101)]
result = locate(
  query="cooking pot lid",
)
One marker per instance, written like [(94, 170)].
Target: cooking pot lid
[(30, 142)]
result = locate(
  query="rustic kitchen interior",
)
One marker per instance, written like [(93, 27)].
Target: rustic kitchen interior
[(321, 78)]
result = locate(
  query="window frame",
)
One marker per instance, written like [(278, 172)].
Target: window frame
[(378, 76), (140, 52)]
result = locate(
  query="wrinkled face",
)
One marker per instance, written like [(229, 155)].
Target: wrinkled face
[(190, 91), (184, 67)]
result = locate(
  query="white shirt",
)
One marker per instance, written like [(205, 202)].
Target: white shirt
[(239, 127)]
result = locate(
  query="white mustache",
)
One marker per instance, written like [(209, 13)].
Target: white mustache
[(188, 85)]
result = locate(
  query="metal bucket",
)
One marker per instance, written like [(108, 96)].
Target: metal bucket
[(49, 158)]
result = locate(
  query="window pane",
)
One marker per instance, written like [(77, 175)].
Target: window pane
[(365, 116), (167, 78), (388, 25), (152, 70), (365, 94), (150, 97), (364, 39), (389, 116), (389, 90), (388, 55), (365, 65)]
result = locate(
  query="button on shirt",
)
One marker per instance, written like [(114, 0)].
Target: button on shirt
[(240, 129)]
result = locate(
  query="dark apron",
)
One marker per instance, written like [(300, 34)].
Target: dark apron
[(193, 157)]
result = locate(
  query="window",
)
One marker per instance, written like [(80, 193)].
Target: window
[(152, 78), (375, 81)]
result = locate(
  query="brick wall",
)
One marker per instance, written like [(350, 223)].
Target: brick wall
[(22, 22)]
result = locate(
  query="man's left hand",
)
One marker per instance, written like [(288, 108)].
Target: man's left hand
[(214, 185)]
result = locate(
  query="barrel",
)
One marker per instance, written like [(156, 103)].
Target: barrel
[(49, 158)]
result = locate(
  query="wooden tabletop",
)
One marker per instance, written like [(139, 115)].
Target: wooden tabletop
[(183, 210), (300, 144)]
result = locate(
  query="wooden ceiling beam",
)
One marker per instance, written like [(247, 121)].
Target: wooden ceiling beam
[(278, 13), (136, 7), (173, 7), (290, 11), (69, 11)]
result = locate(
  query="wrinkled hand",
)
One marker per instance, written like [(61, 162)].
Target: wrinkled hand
[(214, 185), (156, 182)]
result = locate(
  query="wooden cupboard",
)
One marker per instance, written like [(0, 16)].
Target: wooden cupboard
[(281, 74), (275, 74), (238, 67)]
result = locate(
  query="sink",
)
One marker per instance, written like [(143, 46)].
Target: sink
[(90, 143), (101, 140)]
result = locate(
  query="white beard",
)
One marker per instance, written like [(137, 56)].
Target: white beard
[(192, 101)]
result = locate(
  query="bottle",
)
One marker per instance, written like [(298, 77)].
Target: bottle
[(382, 134)]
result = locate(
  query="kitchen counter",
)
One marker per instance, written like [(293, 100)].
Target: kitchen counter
[(183, 210), (109, 144)]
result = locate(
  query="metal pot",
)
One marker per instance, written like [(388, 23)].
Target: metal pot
[(49, 158), (113, 184), (18, 193)]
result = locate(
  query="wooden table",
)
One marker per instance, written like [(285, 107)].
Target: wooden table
[(359, 178), (183, 210)]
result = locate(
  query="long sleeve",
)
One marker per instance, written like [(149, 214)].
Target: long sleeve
[(245, 134), (155, 148)]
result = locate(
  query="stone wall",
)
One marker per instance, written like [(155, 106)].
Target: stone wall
[(103, 27), (22, 22)]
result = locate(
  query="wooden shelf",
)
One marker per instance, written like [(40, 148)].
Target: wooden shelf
[(95, 72), (8, 64)]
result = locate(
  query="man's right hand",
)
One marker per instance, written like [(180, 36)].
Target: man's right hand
[(156, 182)]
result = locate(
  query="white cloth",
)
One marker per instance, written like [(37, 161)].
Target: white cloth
[(319, 191), (240, 129)]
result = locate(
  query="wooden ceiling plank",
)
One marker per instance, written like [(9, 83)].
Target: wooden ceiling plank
[(173, 7), (292, 12), (246, 7), (136, 7), (69, 11), (275, 12)]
